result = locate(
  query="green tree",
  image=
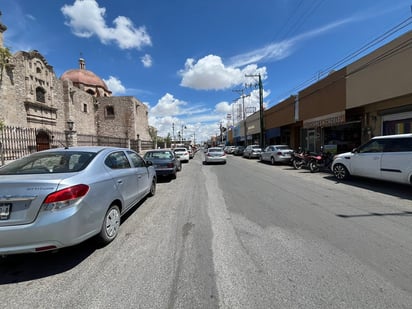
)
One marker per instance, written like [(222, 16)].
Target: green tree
[(5, 56)]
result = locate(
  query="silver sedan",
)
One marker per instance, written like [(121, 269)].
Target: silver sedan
[(276, 154), (61, 197), (215, 155)]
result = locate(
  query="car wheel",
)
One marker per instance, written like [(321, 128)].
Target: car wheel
[(173, 176), (179, 167), (110, 225), (152, 191), (272, 160), (250, 156), (340, 171)]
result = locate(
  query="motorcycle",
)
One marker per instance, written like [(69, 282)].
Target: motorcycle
[(301, 158), (321, 161)]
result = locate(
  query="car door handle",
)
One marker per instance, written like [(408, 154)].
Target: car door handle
[(120, 182)]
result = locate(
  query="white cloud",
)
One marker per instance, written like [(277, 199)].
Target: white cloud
[(167, 106), (115, 85), (280, 50), (86, 18), (147, 61), (223, 108), (210, 73)]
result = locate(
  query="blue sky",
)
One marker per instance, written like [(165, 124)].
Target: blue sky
[(185, 58)]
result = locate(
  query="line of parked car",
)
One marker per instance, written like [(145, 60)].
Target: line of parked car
[(60, 197), (387, 157)]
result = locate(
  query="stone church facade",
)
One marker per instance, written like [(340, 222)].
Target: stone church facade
[(76, 104)]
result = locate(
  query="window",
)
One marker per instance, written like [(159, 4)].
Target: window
[(136, 159), (376, 145), (85, 107), (109, 112), (398, 145), (117, 160), (40, 95)]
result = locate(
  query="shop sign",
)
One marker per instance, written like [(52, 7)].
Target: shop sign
[(325, 121)]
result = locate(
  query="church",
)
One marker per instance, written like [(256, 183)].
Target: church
[(75, 109)]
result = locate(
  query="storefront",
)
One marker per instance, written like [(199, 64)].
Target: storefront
[(331, 131), (397, 123)]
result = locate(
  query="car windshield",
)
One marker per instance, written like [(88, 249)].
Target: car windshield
[(215, 150), (160, 155), (49, 162), (180, 149), (283, 147), (255, 147)]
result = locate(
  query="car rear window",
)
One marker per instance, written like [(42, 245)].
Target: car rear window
[(49, 163)]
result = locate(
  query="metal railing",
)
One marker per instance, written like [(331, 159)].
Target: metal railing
[(16, 142)]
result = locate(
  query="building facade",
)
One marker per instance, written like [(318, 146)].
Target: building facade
[(77, 104)]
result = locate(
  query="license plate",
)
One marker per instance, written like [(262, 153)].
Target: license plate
[(5, 211)]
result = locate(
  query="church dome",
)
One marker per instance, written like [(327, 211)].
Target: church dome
[(86, 79)]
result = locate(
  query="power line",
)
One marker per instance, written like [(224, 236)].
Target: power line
[(351, 56)]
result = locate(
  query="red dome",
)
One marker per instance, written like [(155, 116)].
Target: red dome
[(85, 77)]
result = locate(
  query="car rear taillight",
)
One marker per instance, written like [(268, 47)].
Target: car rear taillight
[(170, 165), (65, 197), (279, 153)]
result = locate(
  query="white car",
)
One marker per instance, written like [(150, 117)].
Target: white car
[(215, 155), (383, 157), (182, 153)]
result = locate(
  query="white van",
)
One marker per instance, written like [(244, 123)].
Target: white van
[(386, 157)]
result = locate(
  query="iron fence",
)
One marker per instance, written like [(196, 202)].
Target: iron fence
[(16, 142)]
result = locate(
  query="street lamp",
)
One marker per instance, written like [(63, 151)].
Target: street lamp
[(70, 124), (69, 133)]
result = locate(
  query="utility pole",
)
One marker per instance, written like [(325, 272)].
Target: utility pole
[(173, 130), (243, 96), (262, 128)]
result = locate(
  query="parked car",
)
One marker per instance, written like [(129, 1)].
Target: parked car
[(165, 162), (191, 153), (252, 151), (229, 149), (182, 153), (385, 157), (215, 155), (276, 154), (60, 197), (239, 150)]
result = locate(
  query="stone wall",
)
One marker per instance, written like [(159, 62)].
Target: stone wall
[(61, 101)]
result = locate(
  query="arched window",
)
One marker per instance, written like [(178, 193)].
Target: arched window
[(40, 95)]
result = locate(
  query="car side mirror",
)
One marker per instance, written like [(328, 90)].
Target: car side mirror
[(149, 163), (355, 150)]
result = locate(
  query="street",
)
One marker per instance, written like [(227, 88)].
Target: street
[(241, 235)]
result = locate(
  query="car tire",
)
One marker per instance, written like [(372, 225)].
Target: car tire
[(152, 190), (179, 168), (110, 225), (272, 161), (340, 171), (173, 176)]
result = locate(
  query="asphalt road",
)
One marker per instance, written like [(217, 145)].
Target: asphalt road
[(241, 235)]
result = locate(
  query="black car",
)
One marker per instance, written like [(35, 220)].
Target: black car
[(164, 161)]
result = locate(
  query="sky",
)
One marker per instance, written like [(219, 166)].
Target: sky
[(194, 62)]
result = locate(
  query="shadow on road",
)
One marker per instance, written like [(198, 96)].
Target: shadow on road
[(402, 191), (25, 267)]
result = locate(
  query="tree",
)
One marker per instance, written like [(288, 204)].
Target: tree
[(5, 56), (153, 133)]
